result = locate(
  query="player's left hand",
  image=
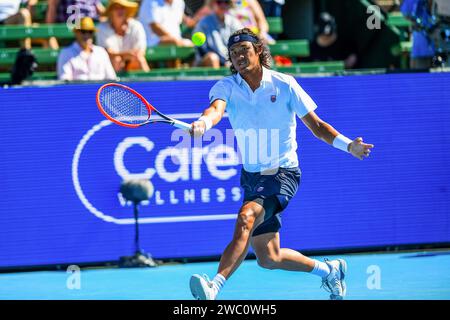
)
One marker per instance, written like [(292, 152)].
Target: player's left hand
[(359, 149)]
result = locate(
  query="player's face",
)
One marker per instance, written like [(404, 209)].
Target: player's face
[(244, 57)]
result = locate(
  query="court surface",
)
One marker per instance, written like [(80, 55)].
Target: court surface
[(392, 276)]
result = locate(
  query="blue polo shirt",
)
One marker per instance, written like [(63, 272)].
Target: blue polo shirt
[(264, 121)]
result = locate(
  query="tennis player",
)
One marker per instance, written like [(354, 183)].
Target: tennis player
[(257, 98)]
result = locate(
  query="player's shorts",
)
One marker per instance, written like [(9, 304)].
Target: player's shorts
[(273, 192)]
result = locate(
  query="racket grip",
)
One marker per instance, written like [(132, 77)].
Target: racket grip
[(181, 125)]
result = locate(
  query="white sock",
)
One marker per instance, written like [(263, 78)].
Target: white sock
[(218, 282), (321, 269)]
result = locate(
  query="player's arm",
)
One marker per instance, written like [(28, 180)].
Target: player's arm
[(210, 117), (324, 131)]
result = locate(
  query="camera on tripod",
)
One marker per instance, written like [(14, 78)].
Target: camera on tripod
[(440, 33)]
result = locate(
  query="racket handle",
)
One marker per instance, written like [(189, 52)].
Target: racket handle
[(181, 125)]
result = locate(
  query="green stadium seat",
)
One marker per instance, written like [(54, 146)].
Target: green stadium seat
[(397, 19), (275, 25), (290, 48), (13, 32)]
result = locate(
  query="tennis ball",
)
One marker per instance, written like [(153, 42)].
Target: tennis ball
[(198, 38)]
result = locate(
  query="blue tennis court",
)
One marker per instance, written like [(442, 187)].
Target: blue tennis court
[(404, 276)]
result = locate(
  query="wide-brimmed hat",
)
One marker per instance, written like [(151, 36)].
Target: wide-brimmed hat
[(130, 7), (85, 24)]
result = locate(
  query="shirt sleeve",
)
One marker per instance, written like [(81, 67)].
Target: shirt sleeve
[(64, 68), (146, 12), (110, 74), (140, 38), (300, 102), (221, 90), (101, 36)]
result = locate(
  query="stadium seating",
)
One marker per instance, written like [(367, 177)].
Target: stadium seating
[(298, 68), (292, 48)]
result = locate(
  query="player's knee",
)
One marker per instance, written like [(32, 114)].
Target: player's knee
[(24, 16), (268, 262), (246, 218)]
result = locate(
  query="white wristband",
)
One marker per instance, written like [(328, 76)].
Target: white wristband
[(207, 121), (341, 142)]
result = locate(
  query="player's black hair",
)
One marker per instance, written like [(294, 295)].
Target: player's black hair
[(265, 58)]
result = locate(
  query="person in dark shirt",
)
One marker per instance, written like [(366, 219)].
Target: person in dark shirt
[(326, 45)]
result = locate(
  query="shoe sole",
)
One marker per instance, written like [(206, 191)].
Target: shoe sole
[(343, 270), (197, 288)]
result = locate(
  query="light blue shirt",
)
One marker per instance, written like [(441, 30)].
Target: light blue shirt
[(264, 121)]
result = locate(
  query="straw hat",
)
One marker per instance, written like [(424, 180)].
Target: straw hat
[(131, 7), (86, 24)]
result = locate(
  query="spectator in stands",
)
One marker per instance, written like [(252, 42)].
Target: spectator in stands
[(251, 15), (423, 48), (83, 60), (272, 8), (248, 12), (123, 37), (326, 45), (11, 13), (162, 21), (71, 11), (217, 27)]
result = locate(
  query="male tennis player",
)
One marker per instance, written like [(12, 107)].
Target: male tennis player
[(257, 98)]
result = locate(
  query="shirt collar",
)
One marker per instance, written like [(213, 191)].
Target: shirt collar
[(266, 77)]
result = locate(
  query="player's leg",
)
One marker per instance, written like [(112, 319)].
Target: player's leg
[(250, 215), (271, 256)]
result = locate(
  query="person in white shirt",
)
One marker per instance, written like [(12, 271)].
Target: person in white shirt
[(162, 20), (11, 13), (83, 60), (259, 100), (123, 37)]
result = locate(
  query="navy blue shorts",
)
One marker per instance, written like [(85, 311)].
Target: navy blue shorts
[(273, 192)]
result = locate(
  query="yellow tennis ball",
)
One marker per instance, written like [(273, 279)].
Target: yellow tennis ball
[(198, 38)]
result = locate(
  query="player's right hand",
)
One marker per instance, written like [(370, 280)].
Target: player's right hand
[(198, 128)]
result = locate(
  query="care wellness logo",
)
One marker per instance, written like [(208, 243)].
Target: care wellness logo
[(192, 179)]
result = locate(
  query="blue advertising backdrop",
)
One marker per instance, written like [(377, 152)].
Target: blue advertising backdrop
[(62, 163)]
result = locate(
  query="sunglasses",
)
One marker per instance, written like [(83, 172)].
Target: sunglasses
[(223, 2), (87, 32)]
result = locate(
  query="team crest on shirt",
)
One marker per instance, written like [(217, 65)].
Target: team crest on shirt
[(273, 98)]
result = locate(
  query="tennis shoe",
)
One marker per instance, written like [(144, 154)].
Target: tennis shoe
[(334, 283), (202, 288)]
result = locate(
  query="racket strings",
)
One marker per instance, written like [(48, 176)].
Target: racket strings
[(122, 105)]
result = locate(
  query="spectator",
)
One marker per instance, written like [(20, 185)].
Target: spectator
[(83, 60), (162, 20), (423, 48), (71, 11), (272, 8), (11, 13), (326, 46), (251, 15), (217, 27), (123, 37)]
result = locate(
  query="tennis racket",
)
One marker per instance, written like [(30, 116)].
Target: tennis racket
[(126, 107)]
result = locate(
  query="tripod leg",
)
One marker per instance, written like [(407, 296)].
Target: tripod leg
[(136, 224)]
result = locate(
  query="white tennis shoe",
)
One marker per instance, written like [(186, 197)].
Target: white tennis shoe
[(202, 288), (334, 283)]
